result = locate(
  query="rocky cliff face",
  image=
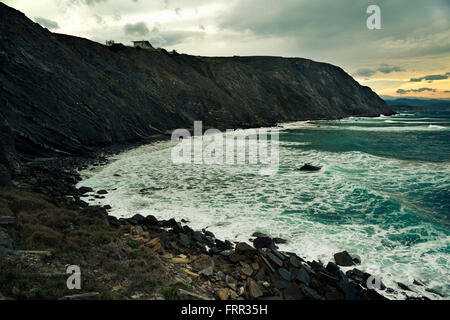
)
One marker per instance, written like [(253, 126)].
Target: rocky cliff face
[(66, 95)]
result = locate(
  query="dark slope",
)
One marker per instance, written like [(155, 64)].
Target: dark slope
[(61, 94)]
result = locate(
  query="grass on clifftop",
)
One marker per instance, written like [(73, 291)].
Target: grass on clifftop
[(110, 265)]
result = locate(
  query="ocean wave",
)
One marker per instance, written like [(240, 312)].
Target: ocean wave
[(355, 203), (405, 128)]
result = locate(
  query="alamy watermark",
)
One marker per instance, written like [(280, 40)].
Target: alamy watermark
[(374, 20), (374, 280), (74, 280), (232, 147)]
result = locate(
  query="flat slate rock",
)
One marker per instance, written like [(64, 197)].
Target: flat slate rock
[(303, 276), (295, 262), (187, 295), (286, 275), (311, 293), (83, 296), (274, 259), (280, 283), (293, 293)]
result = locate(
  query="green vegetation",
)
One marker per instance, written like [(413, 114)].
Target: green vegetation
[(170, 292), (71, 237)]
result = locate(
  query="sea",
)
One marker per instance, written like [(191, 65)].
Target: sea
[(382, 194)]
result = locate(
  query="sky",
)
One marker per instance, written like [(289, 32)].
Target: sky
[(408, 57)]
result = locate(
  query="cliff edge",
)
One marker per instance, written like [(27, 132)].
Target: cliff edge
[(61, 94)]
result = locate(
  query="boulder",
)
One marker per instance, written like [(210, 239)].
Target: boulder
[(275, 259), (244, 248), (235, 257), (311, 293), (308, 167), (303, 276), (293, 293), (286, 275), (349, 289), (243, 251), (261, 274), (203, 262), (223, 293), (207, 271), (169, 223), (268, 264), (184, 240), (254, 290), (295, 262), (332, 268), (84, 190), (279, 283), (102, 192), (208, 233), (246, 269), (263, 242), (328, 278), (138, 218), (150, 221), (343, 259)]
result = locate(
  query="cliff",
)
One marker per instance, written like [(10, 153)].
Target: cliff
[(61, 94)]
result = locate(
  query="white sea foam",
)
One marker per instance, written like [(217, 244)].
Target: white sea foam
[(342, 207), (404, 128)]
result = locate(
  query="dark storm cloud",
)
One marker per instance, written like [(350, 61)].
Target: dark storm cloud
[(320, 26), (432, 77), (47, 23), (402, 91), (383, 68), (413, 32), (136, 29)]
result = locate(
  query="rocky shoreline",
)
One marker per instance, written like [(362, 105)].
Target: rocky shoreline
[(156, 259)]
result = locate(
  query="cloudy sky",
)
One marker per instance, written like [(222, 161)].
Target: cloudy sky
[(408, 57)]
